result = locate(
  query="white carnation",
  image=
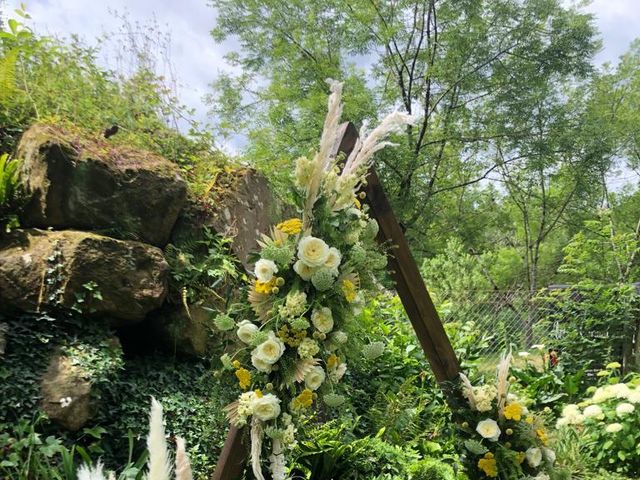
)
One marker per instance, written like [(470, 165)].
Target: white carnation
[(334, 259), (266, 407), (489, 429), (322, 319), (246, 330), (534, 457), (265, 269), (314, 378), (313, 251)]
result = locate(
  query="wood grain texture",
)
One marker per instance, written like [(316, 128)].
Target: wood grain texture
[(233, 458)]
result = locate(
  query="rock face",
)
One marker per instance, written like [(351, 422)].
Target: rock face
[(66, 393), (121, 280), (91, 185), (182, 332), (246, 209)]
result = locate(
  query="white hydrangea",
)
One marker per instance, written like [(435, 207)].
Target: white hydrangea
[(624, 409), (593, 411), (613, 428)]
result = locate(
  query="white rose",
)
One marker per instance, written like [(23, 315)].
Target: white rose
[(334, 258), (270, 350), (265, 269), (613, 428), (260, 364), (489, 429), (246, 330), (266, 407), (534, 457), (314, 378), (313, 251), (593, 411), (304, 270), (322, 319), (624, 409)]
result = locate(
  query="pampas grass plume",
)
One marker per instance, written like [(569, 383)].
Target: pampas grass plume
[(159, 464), (183, 467), (91, 473)]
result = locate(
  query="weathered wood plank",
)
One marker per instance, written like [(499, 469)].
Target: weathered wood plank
[(233, 458)]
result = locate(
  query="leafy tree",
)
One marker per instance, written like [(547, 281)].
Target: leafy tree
[(450, 63)]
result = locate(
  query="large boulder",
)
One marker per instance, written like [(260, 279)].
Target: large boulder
[(241, 206), (66, 393), (117, 279), (88, 184), (181, 331)]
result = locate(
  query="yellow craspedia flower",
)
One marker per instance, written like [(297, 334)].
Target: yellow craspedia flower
[(236, 364), (349, 290), (293, 226), (542, 435), (265, 287), (244, 378), (520, 456), (488, 465), (333, 361), (529, 420), (513, 411)]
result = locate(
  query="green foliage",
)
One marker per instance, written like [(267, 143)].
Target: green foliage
[(9, 191), (430, 469), (200, 267), (592, 324)]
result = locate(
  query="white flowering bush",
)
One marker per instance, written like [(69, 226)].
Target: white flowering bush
[(501, 437), (309, 278), (608, 424)]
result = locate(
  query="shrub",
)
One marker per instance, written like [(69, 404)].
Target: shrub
[(429, 469)]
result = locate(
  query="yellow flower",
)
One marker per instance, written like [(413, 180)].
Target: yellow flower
[(236, 364), (357, 203), (520, 456), (304, 400), (529, 420), (488, 465), (349, 290), (293, 226), (265, 287), (258, 393), (244, 378), (513, 411), (333, 361), (542, 435)]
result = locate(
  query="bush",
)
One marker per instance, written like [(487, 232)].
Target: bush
[(429, 469)]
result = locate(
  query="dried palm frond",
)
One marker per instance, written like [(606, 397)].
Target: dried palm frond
[(304, 366), (261, 303), (275, 237), (232, 412), (183, 466), (467, 391), (502, 381), (159, 464)]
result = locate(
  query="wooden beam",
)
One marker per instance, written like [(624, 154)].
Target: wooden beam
[(233, 458), (410, 286)]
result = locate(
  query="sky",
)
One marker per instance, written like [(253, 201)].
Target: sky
[(198, 59)]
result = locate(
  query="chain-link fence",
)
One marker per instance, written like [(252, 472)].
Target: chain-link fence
[(601, 320)]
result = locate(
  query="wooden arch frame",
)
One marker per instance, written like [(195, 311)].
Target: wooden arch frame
[(411, 290)]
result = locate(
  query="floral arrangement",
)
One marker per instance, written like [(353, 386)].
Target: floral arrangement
[(502, 438), (310, 276), (609, 422)]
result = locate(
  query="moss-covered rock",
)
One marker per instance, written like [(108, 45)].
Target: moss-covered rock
[(87, 184), (92, 274)]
